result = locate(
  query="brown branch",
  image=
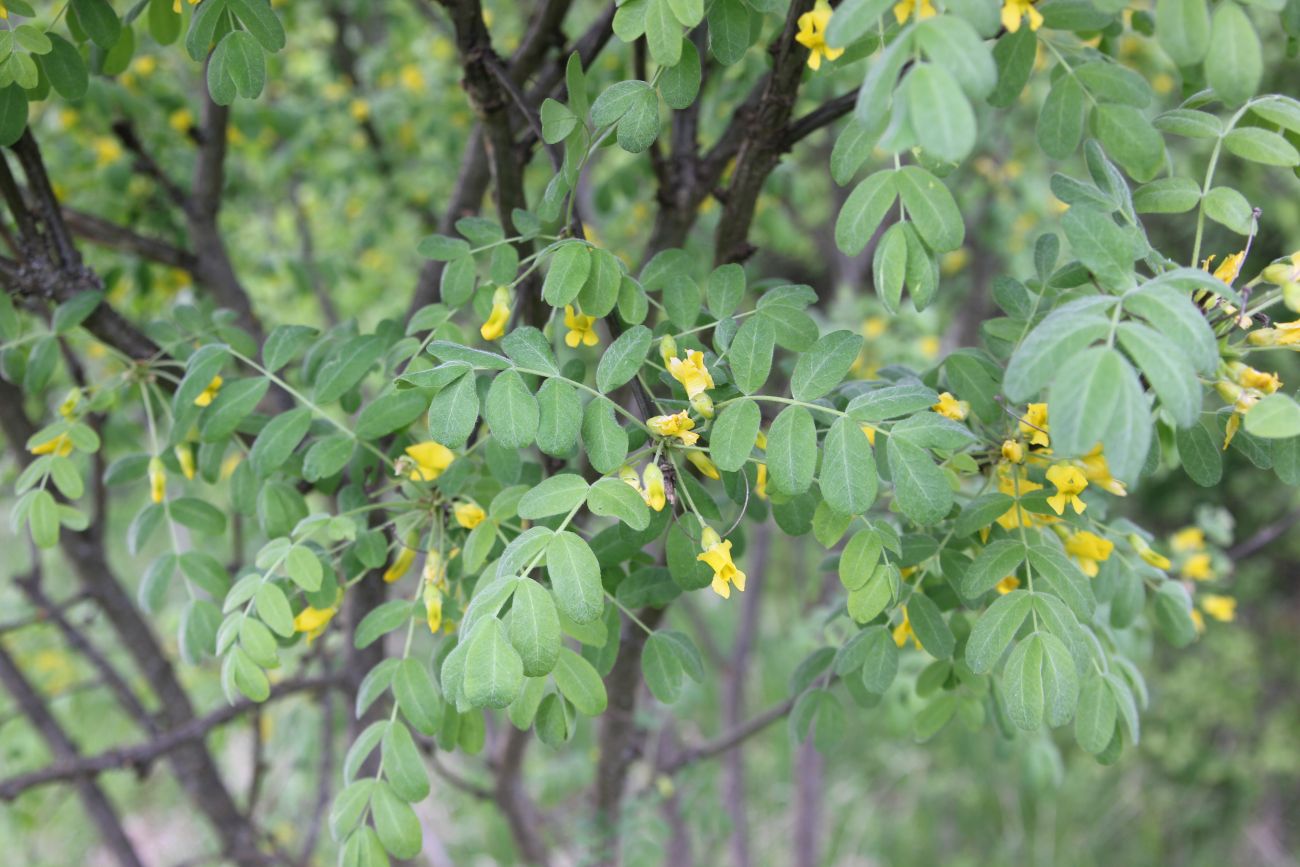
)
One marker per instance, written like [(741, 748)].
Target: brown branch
[(92, 796), (124, 129), (106, 233), (140, 757), (822, 116), (1263, 537), (520, 812), (733, 737)]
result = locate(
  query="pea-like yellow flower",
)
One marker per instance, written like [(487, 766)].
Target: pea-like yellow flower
[(1069, 482), (760, 484), (1228, 269), (1148, 554), (1221, 608), (1014, 482), (581, 328), (402, 562), (906, 9), (313, 621), (1088, 549), (812, 34), (428, 460), (628, 475), (1198, 567), (703, 404), (1034, 425), (870, 431), (702, 463), (469, 515), (68, 408), (717, 554), (1187, 539), (691, 372), (176, 5), (950, 407), (157, 480), (653, 491), (181, 120), (1013, 451), (1013, 11), (60, 446), (667, 348), (185, 457), (904, 631), (495, 326), (676, 425), (1248, 377), (760, 439), (209, 394), (1097, 471), (1006, 585), (1281, 334)]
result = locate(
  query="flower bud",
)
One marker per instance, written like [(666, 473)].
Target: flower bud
[(667, 348), (703, 404), (157, 479)]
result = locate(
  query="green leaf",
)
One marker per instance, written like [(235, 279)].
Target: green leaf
[(995, 562), (1172, 312), (304, 568), (278, 439), (824, 366), (1283, 111), (1235, 66), (852, 147), (1130, 139), (559, 419), (1228, 207), (494, 672), (614, 102), (750, 353), (662, 670), (1014, 56), (240, 58), (792, 450), (347, 366), (729, 30), (920, 487), (575, 578), (940, 114), (261, 21), (879, 659), (1200, 455), (99, 21), (859, 558), (1060, 577), (1262, 146), (892, 401), (1106, 249), (1101, 401), (327, 457), (556, 495), (273, 609), (1022, 684), (454, 412), (557, 122), (952, 43), (1275, 417), (602, 436), (393, 614), (931, 208), (681, 83), (390, 413), (1183, 28), (511, 411), (416, 699), (663, 33), (1060, 122), (1172, 609), (43, 519), (639, 125), (570, 265), (1189, 123), (995, 629), (534, 627), (621, 362), (615, 498), (868, 601), (1166, 367), (403, 764), (349, 806), (198, 515), (863, 211), (1175, 195), (395, 822), (848, 470), (1094, 722), (66, 71), (930, 627), (735, 430), (1060, 680), (580, 683)]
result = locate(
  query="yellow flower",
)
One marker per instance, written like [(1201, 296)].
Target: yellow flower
[(185, 457), (760, 486), (874, 327), (1188, 539), (703, 404), (812, 34), (157, 480), (430, 458), (1014, 482), (904, 631), (68, 408), (1097, 471), (209, 394), (432, 608), (176, 5), (628, 475), (1147, 553), (1198, 567), (581, 328), (1221, 608), (667, 349), (654, 495), (1034, 425), (1281, 334), (1089, 549), (1069, 482), (1013, 451), (871, 432), (949, 407), (360, 110), (495, 326), (401, 563), (1249, 377), (717, 554), (107, 151), (410, 77), (313, 621), (703, 464), (469, 515), (691, 372), (1014, 10), (60, 445), (677, 425), (181, 120), (902, 11), (1228, 269), (1007, 584)]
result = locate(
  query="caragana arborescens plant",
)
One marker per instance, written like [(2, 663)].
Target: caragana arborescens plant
[(479, 511)]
